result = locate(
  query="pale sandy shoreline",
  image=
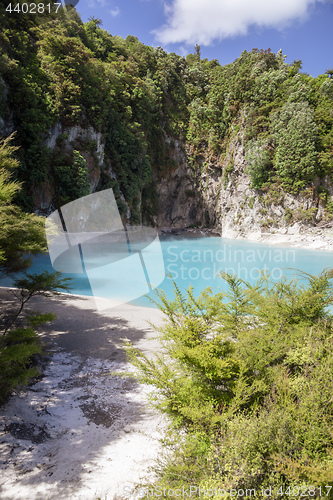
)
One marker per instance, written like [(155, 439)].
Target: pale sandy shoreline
[(308, 242), (312, 238), (81, 329), (84, 431)]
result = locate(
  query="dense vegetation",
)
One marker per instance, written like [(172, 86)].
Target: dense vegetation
[(57, 69), (247, 375)]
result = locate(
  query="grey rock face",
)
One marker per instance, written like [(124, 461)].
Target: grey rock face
[(200, 190)]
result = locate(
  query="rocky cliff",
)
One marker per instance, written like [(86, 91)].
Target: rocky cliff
[(250, 213), (200, 191), (218, 195)]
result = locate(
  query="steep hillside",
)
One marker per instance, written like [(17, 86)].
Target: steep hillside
[(183, 142)]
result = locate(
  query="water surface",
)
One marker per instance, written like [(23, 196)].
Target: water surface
[(197, 261)]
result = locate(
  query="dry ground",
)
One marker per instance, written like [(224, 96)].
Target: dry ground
[(83, 431)]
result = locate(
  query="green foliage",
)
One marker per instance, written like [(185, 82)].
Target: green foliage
[(324, 199), (17, 350), (20, 233), (19, 346), (58, 69), (248, 374), (295, 135), (304, 215), (18, 353), (72, 180), (327, 88), (150, 202), (259, 162)]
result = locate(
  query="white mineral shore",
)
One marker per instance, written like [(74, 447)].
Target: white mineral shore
[(294, 236), (311, 238), (84, 431)]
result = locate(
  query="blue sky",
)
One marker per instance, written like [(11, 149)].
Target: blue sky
[(303, 29)]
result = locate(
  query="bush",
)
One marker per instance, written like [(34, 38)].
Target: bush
[(17, 350), (248, 375)]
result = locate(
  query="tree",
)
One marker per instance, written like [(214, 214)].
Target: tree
[(258, 158), (197, 51), (295, 134), (72, 180), (329, 72), (20, 233), (295, 66), (327, 88), (44, 284)]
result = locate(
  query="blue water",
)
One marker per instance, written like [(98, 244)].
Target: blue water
[(197, 261)]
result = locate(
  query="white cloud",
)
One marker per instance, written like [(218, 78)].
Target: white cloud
[(115, 11), (182, 51), (204, 21)]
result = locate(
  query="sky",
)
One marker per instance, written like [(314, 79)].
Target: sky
[(303, 29)]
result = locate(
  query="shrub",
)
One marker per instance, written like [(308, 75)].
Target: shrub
[(16, 352), (248, 375)]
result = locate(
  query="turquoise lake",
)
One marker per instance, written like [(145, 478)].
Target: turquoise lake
[(197, 261)]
